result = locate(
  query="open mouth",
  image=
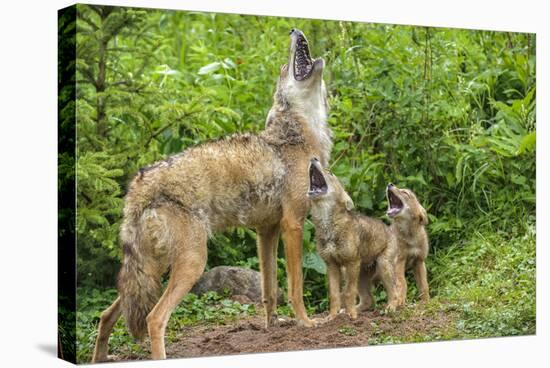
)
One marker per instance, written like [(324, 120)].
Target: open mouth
[(303, 63), (395, 205), (317, 183)]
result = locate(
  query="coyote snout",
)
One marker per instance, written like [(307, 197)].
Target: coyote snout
[(403, 206), (301, 64)]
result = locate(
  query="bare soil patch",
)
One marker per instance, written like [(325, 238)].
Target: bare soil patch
[(248, 335)]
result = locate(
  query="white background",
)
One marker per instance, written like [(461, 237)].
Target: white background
[(28, 203)]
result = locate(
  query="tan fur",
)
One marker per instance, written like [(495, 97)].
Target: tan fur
[(408, 228), (350, 243), (248, 180), (413, 245)]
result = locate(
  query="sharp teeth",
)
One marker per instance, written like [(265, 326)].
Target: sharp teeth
[(302, 61)]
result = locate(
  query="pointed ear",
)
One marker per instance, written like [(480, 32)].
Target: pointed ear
[(348, 202), (423, 216)]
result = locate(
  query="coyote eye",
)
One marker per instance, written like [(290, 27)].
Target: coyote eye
[(406, 193)]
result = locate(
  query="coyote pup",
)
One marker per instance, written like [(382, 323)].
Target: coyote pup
[(409, 221), (411, 241), (348, 242)]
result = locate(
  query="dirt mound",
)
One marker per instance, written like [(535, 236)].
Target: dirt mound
[(248, 335)]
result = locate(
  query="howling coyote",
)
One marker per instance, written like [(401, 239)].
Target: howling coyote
[(256, 181)]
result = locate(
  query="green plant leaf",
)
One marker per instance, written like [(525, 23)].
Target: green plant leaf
[(314, 262)]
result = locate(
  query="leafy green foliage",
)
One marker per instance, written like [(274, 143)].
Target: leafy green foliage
[(495, 288), (448, 113)]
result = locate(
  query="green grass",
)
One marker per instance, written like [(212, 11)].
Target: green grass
[(490, 280), (347, 330)]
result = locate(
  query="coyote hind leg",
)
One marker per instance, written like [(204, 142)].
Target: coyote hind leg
[(366, 300), (106, 322), (421, 278), (188, 240)]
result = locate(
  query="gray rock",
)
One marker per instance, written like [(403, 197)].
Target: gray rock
[(240, 282)]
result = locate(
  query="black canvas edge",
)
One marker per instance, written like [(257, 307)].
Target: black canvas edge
[(66, 182)]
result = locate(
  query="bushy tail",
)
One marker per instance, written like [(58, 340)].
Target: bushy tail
[(139, 291)]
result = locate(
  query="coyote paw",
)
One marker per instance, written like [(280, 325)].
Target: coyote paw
[(105, 359), (351, 313), (276, 321), (308, 322), (322, 320), (271, 321), (390, 308), (326, 319)]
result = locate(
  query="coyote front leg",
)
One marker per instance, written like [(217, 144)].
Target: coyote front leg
[(350, 293), (334, 278), (292, 231), (268, 239), (401, 281)]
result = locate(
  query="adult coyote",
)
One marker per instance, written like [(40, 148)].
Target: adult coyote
[(257, 181)]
